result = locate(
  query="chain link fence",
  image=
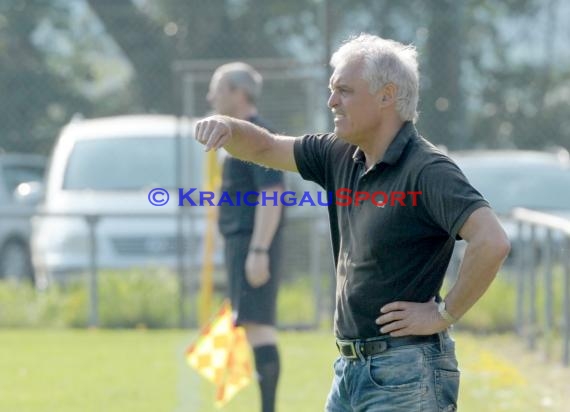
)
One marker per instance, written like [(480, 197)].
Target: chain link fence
[(487, 81)]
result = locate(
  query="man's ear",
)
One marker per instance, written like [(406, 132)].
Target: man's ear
[(388, 94)]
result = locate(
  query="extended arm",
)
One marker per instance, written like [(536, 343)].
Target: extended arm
[(247, 141)]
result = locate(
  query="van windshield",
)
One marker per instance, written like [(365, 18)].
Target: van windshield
[(121, 164)]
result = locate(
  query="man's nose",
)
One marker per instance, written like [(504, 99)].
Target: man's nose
[(333, 101)]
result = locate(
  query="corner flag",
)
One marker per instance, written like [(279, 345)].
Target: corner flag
[(221, 354)]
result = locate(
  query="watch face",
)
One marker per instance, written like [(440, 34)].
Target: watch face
[(443, 312)]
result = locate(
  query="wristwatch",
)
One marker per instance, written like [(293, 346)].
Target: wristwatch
[(444, 313), (258, 250)]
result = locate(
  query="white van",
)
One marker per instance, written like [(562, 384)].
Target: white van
[(106, 168)]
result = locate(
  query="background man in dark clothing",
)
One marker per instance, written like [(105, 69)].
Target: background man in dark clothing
[(251, 233)]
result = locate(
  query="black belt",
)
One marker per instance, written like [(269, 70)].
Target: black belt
[(349, 349)]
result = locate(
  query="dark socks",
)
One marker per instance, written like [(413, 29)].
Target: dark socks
[(267, 366)]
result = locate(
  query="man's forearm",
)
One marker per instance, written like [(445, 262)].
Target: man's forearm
[(267, 219), (248, 140), (481, 262)]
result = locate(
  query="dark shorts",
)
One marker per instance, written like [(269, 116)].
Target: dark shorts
[(252, 305)]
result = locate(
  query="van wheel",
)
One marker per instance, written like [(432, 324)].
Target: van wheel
[(15, 262)]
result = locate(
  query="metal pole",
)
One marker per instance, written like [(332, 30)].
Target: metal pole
[(520, 280), (185, 109), (549, 295), (327, 38), (182, 319), (315, 269), (532, 287), (327, 29), (566, 263), (92, 221)]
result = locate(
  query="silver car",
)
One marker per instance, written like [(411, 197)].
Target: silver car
[(18, 173)]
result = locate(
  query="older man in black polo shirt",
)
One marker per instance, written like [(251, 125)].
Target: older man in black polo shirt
[(390, 321)]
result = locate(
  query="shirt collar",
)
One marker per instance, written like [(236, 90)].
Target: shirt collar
[(396, 147)]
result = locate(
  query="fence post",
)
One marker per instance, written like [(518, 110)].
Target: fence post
[(92, 221), (566, 263), (532, 289), (520, 327), (548, 293), (315, 268), (181, 269)]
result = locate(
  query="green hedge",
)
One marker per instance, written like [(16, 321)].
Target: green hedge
[(149, 299), (495, 311), (128, 299)]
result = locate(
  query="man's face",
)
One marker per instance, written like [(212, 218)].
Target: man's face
[(221, 95), (356, 111)]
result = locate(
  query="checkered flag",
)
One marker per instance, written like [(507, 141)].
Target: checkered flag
[(221, 354)]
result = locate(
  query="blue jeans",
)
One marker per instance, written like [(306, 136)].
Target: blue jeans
[(413, 378)]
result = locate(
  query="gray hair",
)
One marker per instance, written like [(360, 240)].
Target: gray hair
[(385, 61), (242, 76)]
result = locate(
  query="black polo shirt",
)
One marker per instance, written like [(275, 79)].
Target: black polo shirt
[(398, 251), (238, 178)]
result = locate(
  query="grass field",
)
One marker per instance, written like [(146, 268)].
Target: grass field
[(98, 370)]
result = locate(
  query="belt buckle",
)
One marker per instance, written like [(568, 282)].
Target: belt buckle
[(342, 345)]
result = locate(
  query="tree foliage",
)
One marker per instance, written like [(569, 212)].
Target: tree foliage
[(475, 89), (36, 97)]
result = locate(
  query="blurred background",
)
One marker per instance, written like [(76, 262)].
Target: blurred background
[(99, 101), (494, 74)]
